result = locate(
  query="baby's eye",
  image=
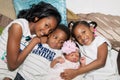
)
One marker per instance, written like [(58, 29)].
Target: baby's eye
[(71, 54), (77, 55)]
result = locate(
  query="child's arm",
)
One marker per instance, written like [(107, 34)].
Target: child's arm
[(98, 63), (14, 57), (55, 61)]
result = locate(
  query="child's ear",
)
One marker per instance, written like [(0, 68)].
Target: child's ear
[(92, 28)]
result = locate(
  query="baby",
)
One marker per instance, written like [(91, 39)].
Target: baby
[(71, 59)]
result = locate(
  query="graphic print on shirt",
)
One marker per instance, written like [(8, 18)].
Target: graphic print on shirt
[(38, 49), (44, 52), (4, 57), (24, 42)]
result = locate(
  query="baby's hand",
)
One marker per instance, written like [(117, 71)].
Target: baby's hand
[(60, 60), (83, 60)]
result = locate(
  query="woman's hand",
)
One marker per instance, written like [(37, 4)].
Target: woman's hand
[(69, 74)]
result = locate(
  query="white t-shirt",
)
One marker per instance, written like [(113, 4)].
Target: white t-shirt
[(4, 72), (4, 36), (37, 64), (90, 52)]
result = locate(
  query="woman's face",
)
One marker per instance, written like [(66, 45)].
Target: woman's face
[(56, 39), (45, 26), (83, 34)]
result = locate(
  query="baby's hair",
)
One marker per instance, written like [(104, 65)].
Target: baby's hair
[(40, 10), (65, 29)]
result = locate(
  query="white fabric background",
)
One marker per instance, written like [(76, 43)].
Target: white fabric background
[(87, 6)]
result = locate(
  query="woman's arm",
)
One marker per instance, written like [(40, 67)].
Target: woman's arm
[(98, 63), (14, 57)]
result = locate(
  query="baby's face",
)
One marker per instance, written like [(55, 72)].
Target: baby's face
[(73, 57), (56, 39)]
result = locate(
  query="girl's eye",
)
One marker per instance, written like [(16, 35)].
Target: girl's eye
[(51, 30), (61, 42), (46, 25), (55, 37), (83, 31), (78, 37)]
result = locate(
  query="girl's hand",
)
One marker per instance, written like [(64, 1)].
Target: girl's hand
[(36, 40), (40, 39), (83, 61), (69, 74)]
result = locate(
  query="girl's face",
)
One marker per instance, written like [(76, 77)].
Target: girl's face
[(56, 39), (73, 57), (45, 26), (84, 34)]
